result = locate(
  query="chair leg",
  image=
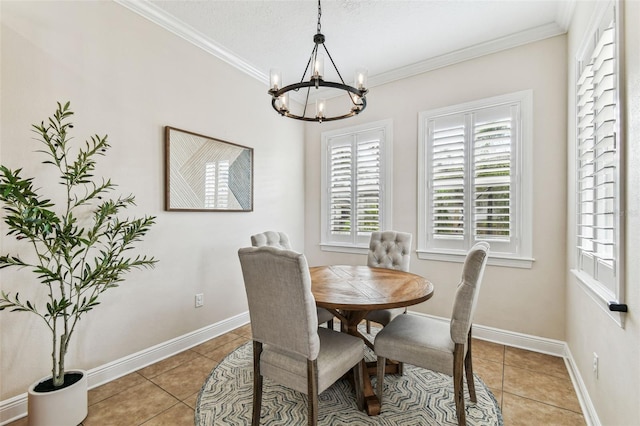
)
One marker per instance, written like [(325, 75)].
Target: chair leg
[(401, 364), (468, 368), (380, 385), (368, 326), (330, 324), (458, 382), (312, 391), (359, 370), (257, 384)]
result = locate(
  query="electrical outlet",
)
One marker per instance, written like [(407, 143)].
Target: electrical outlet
[(595, 364), (199, 300)]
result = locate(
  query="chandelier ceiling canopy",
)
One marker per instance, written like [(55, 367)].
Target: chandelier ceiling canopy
[(313, 77)]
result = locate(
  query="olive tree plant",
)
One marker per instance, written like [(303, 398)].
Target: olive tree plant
[(80, 246)]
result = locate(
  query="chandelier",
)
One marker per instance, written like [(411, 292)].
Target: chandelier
[(357, 101)]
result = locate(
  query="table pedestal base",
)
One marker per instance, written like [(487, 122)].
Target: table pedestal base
[(349, 324)]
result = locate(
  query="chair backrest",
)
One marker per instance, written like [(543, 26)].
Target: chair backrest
[(464, 305), (272, 239), (390, 249), (281, 306)]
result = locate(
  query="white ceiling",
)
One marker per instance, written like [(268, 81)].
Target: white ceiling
[(391, 38)]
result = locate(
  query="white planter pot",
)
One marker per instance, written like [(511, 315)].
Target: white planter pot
[(62, 407)]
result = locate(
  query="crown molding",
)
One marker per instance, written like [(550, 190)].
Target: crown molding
[(461, 55), (153, 13), (476, 51), (565, 13), (158, 16)]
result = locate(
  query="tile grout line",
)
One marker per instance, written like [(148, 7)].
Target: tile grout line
[(162, 412), (545, 403)]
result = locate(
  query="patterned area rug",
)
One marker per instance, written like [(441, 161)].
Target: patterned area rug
[(418, 397)]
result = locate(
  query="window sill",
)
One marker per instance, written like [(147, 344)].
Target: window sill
[(601, 297), (344, 248), (494, 259)]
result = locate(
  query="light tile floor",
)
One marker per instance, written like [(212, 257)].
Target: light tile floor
[(532, 388)]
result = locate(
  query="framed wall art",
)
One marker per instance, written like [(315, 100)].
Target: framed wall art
[(206, 174)]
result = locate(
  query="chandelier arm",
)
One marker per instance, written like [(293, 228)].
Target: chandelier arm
[(333, 63), (278, 110), (315, 48), (306, 101)]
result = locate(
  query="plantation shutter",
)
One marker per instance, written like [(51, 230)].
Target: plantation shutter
[(368, 185), (355, 190), (598, 160), (471, 178), (340, 188), (492, 174), (448, 178)]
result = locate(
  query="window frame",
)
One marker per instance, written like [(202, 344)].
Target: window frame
[(599, 291), (521, 257), (355, 244)]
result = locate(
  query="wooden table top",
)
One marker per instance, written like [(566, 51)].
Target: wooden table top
[(348, 287)]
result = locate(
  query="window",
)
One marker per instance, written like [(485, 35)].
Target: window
[(356, 179), (475, 182), (598, 182)]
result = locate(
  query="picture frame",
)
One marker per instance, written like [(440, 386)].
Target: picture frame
[(203, 173)]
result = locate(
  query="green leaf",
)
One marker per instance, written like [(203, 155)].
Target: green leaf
[(79, 252)]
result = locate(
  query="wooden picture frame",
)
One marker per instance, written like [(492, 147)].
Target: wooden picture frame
[(206, 174)]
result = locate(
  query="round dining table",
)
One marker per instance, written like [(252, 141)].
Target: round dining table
[(351, 292)]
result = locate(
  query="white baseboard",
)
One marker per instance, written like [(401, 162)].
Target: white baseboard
[(522, 341), (14, 408), (542, 345), (511, 338), (588, 409)]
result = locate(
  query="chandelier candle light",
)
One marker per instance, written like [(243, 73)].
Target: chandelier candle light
[(315, 69)]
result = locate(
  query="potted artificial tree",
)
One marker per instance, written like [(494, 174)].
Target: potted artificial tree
[(78, 249)]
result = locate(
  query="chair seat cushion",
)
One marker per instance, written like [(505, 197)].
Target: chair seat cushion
[(384, 316), (339, 352), (419, 341), (324, 315)]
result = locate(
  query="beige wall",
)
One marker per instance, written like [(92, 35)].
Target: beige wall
[(616, 391), (128, 78), (529, 301)]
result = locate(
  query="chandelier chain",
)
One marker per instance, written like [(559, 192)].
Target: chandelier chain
[(319, 15)]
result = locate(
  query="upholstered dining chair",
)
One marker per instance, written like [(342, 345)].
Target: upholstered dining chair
[(271, 239), (288, 346), (390, 250), (442, 346), (281, 240)]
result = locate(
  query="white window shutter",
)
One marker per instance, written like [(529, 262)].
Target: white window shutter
[(368, 185), (477, 179), (492, 175), (356, 176), (340, 189), (447, 182), (597, 162)]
